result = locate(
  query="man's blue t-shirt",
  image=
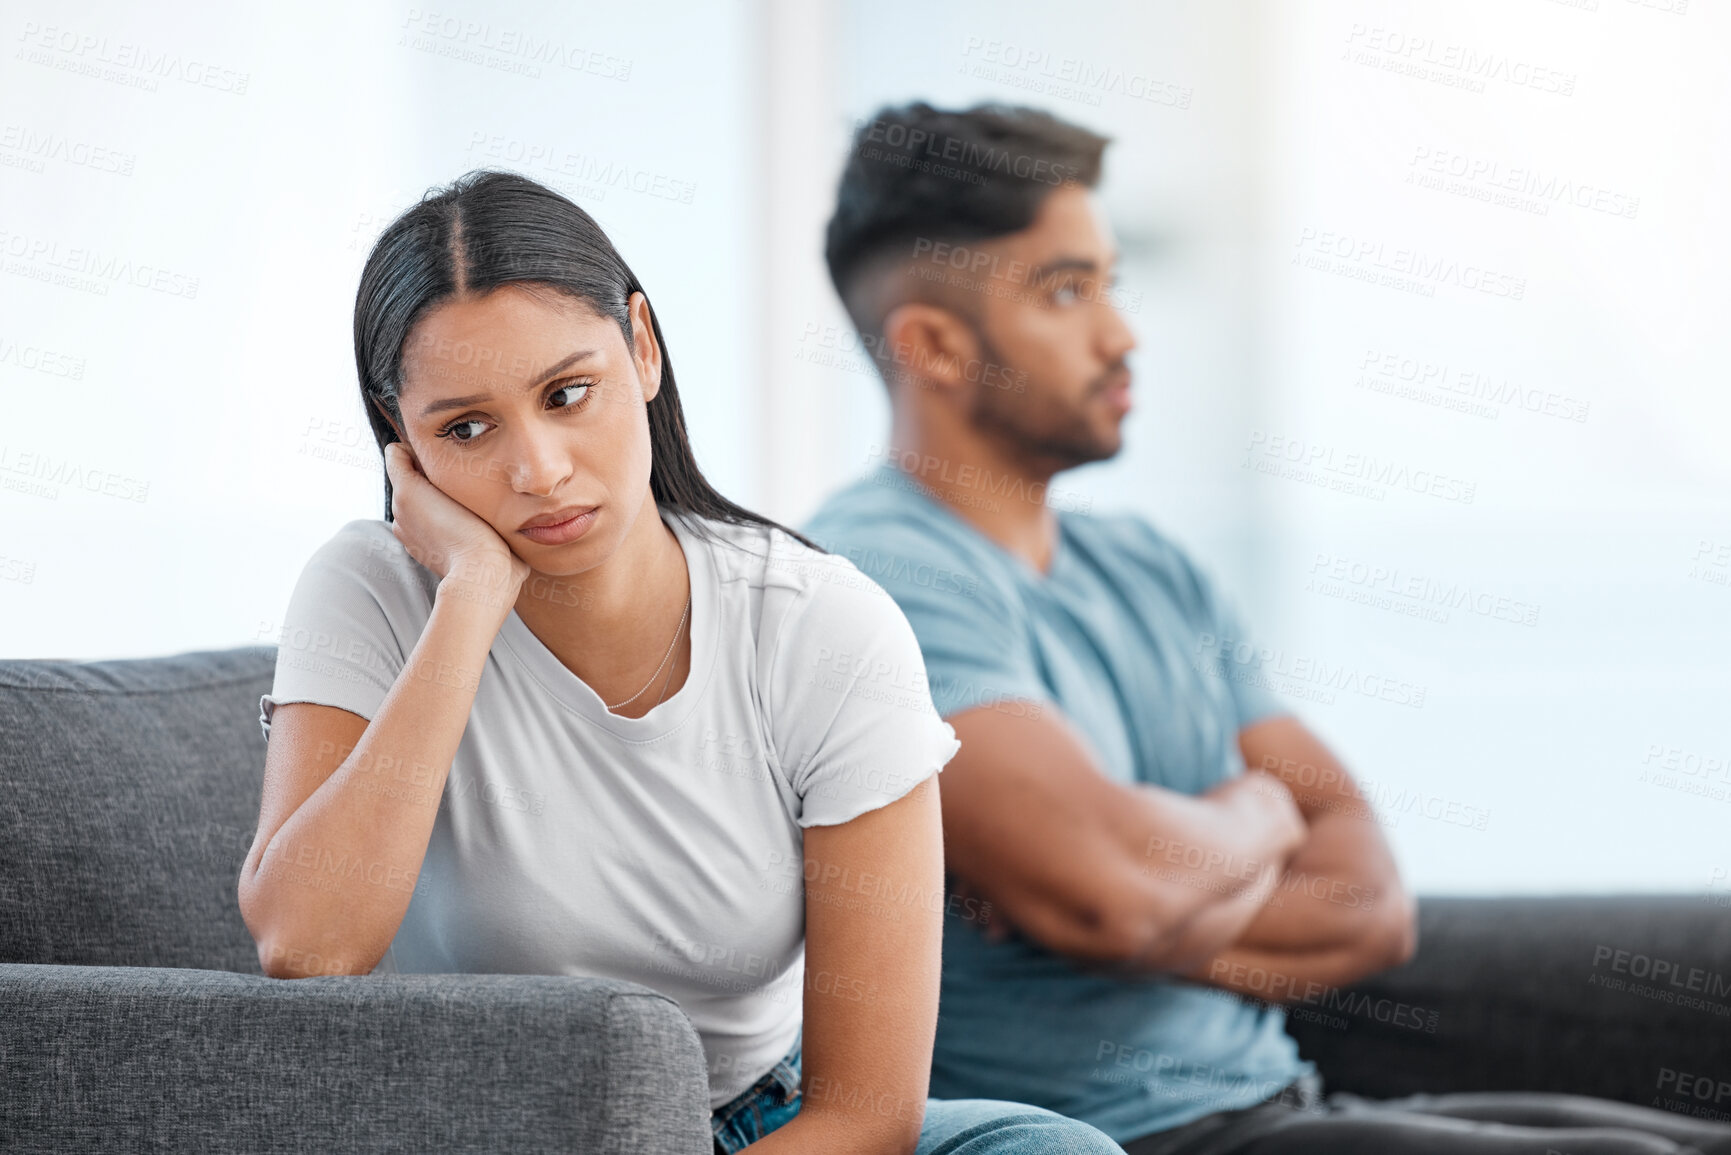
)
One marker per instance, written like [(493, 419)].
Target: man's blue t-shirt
[(1131, 642)]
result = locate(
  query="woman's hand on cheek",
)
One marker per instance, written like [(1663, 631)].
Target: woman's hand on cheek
[(443, 535)]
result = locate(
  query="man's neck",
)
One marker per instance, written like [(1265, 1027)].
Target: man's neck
[(1004, 500)]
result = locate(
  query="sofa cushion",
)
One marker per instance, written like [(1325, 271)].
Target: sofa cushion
[(121, 1060), (1586, 994), (129, 792)]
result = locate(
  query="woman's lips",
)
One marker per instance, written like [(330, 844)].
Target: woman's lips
[(563, 531)]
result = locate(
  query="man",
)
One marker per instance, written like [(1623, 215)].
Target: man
[(1174, 853)]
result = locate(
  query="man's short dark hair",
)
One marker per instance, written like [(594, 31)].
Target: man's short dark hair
[(918, 172)]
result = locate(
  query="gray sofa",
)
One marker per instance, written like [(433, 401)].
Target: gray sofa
[(134, 1017)]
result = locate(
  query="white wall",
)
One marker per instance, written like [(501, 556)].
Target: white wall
[(1610, 159), (1505, 755), (225, 423), (224, 404)]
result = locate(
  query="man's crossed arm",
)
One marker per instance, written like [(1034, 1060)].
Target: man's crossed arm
[(1340, 912), (1270, 884)]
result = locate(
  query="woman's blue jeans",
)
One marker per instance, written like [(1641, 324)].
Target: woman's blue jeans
[(951, 1127)]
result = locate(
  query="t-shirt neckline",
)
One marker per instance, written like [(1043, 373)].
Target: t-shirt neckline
[(666, 716), (1023, 566)]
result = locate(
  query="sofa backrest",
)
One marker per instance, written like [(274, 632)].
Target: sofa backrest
[(129, 793)]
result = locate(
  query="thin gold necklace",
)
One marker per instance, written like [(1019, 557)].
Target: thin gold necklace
[(658, 669)]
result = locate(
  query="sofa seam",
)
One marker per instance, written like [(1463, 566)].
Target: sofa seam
[(611, 1094), (613, 1000), (110, 692)]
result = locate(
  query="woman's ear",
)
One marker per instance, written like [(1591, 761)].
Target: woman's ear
[(389, 420), (645, 350), (398, 429)]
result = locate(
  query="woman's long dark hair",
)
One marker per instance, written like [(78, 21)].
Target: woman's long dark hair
[(486, 229)]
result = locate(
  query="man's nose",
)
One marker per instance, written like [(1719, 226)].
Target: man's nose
[(1117, 339)]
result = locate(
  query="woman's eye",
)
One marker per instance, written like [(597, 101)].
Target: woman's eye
[(583, 385), (452, 432), (1065, 295)]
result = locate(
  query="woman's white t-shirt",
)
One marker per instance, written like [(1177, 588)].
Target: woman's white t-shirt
[(665, 849)]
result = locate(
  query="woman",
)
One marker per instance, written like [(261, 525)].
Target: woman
[(568, 710)]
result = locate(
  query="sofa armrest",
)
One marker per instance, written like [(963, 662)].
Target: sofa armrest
[(112, 1059), (1595, 995)]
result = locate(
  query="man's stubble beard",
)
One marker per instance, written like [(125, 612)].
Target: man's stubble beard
[(1036, 432)]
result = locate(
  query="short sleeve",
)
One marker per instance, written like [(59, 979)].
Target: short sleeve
[(336, 645), (1235, 651), (976, 643), (850, 709)]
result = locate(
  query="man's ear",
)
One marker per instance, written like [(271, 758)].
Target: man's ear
[(645, 350), (927, 345)]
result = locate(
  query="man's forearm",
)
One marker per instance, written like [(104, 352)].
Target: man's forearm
[(1334, 912), (1283, 977), (1337, 911), (1220, 921), (1214, 928), (1214, 859), (1339, 914), (1341, 888), (1193, 873)]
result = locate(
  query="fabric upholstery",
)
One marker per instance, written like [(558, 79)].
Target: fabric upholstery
[(122, 1059), (129, 792), (133, 1016), (1508, 983)]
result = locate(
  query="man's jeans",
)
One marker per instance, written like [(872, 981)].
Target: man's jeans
[(952, 1126), (1302, 1120)]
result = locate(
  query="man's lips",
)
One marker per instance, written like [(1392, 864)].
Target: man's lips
[(1117, 390)]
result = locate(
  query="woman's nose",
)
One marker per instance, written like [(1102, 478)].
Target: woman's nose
[(540, 464)]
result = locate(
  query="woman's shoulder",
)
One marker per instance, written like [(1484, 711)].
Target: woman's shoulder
[(770, 559), (800, 600), (365, 555), (363, 533)]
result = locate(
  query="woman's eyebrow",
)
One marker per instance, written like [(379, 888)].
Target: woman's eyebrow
[(538, 379)]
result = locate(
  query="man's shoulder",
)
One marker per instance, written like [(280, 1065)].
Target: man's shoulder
[(883, 515), (1127, 533), (1156, 557), (922, 555)]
